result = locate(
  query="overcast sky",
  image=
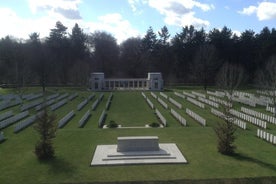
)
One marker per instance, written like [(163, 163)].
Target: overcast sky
[(130, 18)]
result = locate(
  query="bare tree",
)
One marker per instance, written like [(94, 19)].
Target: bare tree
[(205, 63), (266, 80), (228, 79)]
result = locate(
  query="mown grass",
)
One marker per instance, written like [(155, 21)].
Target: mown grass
[(254, 161)]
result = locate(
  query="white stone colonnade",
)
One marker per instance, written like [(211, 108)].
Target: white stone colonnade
[(98, 82)]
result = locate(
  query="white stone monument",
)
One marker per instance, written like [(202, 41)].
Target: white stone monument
[(137, 150), (98, 82)]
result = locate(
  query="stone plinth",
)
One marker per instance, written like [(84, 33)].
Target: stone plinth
[(140, 143), (137, 150)]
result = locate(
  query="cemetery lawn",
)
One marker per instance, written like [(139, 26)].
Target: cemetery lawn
[(254, 162)]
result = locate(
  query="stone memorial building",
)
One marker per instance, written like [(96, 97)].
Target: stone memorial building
[(98, 82)]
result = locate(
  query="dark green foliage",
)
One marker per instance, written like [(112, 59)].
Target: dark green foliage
[(44, 150), (154, 125), (46, 128), (112, 124), (105, 52), (225, 134), (68, 58)]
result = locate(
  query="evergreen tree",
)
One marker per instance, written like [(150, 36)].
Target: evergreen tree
[(46, 128)]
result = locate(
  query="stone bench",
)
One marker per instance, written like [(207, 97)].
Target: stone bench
[(137, 143)]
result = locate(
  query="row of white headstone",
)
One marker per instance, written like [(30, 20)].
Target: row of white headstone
[(260, 115), (102, 118), (270, 93), (220, 101), (13, 119), (189, 94), (195, 102), (26, 96), (96, 103), (179, 95), (153, 95), (7, 104), (199, 94), (101, 96), (53, 96), (248, 118), (164, 104), (179, 117), (240, 123), (217, 113), (161, 117), (6, 115), (8, 97), (236, 121), (209, 102), (250, 98), (90, 97), (73, 96), (244, 100), (196, 117), (62, 96), (47, 103), (164, 95), (216, 93), (150, 103), (58, 104), (66, 119), (84, 118), (260, 101), (266, 136), (108, 103), (33, 96), (143, 94), (220, 94), (157, 112), (270, 109), (148, 100), (177, 104), (25, 123), (39, 102), (242, 93), (32, 104), (82, 104), (266, 99)]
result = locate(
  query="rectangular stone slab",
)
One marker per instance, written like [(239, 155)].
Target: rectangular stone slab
[(137, 143), (107, 155)]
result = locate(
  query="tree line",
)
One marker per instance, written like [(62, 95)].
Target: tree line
[(191, 56)]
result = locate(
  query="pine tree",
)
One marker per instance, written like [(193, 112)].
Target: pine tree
[(46, 127)]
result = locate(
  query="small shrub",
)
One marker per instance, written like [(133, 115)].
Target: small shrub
[(154, 125), (112, 124)]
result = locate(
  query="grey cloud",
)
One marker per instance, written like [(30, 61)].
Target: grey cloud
[(44, 8), (70, 14), (178, 8)]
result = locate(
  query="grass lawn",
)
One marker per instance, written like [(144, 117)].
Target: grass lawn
[(254, 162)]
